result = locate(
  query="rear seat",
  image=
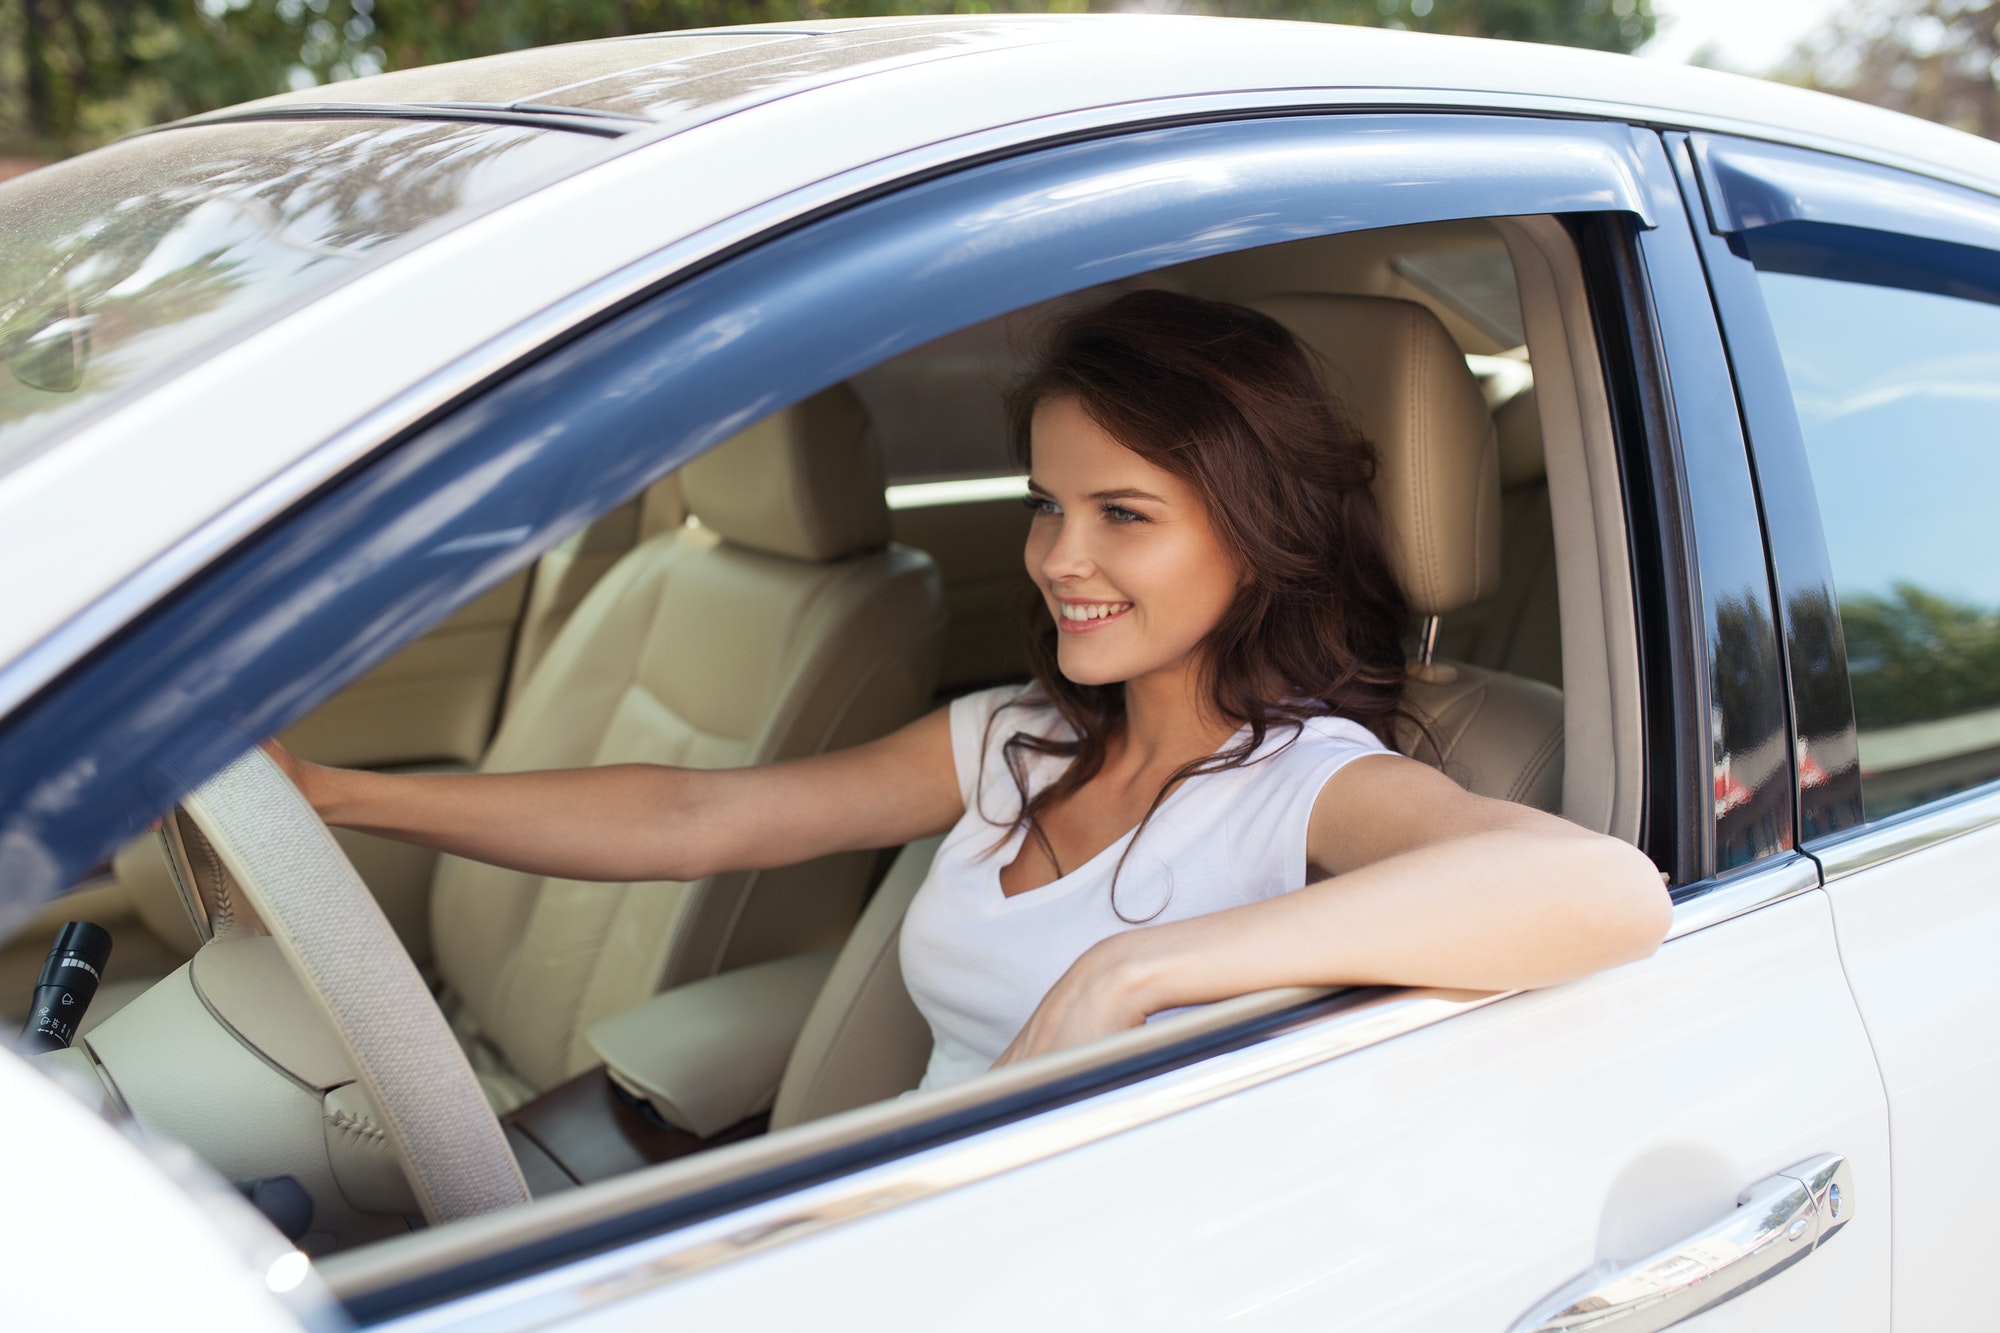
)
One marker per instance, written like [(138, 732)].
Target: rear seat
[(1517, 630)]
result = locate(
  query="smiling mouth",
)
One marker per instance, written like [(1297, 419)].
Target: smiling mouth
[(1082, 617)]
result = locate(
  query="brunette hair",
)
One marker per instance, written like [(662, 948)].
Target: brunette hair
[(1225, 399)]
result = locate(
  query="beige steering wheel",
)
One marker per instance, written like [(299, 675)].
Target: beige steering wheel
[(301, 886)]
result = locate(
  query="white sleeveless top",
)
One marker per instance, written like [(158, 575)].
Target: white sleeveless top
[(978, 962)]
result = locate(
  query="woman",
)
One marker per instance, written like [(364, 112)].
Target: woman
[(1192, 800)]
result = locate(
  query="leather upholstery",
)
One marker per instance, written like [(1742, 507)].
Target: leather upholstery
[(696, 650), (708, 1055), (216, 907), (1394, 366), (1517, 428), (864, 1040), (1518, 629), (1439, 486), (1492, 733), (806, 482)]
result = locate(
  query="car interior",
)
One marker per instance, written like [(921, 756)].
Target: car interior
[(825, 576)]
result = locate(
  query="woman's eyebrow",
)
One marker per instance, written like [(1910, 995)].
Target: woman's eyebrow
[(1127, 493)]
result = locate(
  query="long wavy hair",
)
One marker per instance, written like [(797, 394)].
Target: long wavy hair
[(1226, 400)]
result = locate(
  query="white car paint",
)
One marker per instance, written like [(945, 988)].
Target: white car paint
[(1916, 935), (1594, 1122), (101, 1235)]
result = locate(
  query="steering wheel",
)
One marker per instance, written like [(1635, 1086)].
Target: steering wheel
[(295, 880)]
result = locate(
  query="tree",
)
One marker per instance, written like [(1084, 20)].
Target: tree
[(1916, 655), (76, 72), (1929, 58)]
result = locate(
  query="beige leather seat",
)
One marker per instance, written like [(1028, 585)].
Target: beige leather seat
[(1399, 371), (1405, 380), (1518, 628), (779, 623)]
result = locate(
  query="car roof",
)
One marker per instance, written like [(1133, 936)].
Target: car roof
[(669, 81)]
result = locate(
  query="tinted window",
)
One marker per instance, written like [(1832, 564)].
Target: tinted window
[(1892, 349)]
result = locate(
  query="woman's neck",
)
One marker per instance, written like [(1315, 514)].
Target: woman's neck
[(1169, 721)]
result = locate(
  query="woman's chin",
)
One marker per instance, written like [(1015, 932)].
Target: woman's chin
[(1080, 668)]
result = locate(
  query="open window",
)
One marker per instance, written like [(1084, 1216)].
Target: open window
[(779, 482)]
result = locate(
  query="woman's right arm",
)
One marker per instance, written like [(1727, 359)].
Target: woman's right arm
[(635, 822)]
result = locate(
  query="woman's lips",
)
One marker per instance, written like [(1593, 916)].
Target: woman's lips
[(1087, 617)]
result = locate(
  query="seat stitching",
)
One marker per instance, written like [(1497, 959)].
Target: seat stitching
[(359, 1126), (1425, 546), (1536, 765)]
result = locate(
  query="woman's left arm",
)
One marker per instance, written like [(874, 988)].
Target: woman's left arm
[(1428, 885)]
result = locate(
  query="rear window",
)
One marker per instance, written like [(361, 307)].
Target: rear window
[(121, 264), (1892, 349)]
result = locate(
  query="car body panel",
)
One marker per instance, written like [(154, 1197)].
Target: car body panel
[(168, 1247), (1917, 937), (1916, 901), (1598, 1120)]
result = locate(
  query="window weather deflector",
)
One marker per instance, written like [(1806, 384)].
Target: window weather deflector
[(602, 124), (1747, 185)]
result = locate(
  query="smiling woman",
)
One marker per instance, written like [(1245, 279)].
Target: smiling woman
[(1223, 623)]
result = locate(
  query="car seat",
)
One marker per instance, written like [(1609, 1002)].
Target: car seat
[(1438, 483), (779, 622)]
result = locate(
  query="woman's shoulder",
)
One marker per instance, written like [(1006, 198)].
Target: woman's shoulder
[(1324, 730), (982, 706), (982, 721)]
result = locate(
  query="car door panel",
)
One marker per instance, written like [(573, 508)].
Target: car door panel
[(1859, 307), (1918, 935), (1596, 1121)]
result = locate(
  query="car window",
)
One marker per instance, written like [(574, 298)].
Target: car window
[(119, 263), (1891, 347)]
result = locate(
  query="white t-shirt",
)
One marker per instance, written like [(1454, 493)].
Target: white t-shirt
[(978, 962)]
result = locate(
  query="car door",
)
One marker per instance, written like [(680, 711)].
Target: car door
[(1420, 1161), (1863, 311)]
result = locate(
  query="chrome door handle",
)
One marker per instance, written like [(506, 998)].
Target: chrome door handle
[(1776, 1223)]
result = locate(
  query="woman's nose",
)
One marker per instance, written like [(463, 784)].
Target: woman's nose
[(1067, 555)]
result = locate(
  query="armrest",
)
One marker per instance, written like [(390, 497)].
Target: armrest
[(709, 1054)]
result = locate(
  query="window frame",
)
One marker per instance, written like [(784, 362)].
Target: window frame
[(253, 589), (1743, 186), (79, 748)]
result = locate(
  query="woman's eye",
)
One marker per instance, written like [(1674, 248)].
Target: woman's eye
[(1120, 514), (1041, 506)]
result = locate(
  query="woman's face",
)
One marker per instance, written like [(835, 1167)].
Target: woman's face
[(1123, 552)]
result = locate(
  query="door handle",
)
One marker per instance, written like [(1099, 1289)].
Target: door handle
[(1776, 1223)]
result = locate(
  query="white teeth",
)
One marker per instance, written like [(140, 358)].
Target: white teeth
[(1092, 610)]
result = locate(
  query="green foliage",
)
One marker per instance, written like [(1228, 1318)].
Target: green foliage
[(1939, 59), (74, 73), (1914, 656)]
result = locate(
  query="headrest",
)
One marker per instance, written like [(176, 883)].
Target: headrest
[(1405, 381), (1518, 423), (805, 482)]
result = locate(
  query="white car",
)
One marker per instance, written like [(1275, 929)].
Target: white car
[(637, 400)]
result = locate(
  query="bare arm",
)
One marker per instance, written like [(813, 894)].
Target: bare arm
[(1429, 886), (647, 822)]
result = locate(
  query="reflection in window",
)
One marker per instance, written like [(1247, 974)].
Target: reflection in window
[(1892, 350), (119, 263)]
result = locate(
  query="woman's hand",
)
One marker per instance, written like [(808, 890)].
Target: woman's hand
[(1102, 993), (297, 771)]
